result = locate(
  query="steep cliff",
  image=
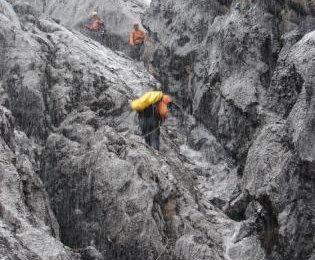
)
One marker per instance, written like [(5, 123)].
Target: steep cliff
[(118, 17), (246, 70), (66, 119), (234, 178)]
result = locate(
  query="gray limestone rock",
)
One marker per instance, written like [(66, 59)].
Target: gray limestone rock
[(245, 71), (68, 96), (91, 253), (118, 17), (234, 179)]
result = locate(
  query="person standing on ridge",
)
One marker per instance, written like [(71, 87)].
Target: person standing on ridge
[(152, 110), (96, 25), (136, 40)]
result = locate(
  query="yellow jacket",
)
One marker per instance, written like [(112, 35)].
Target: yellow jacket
[(146, 100)]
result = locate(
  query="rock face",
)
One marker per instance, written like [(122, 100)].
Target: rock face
[(66, 119), (246, 70), (118, 16), (235, 175)]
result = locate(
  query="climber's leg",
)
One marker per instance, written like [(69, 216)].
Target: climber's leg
[(141, 51), (148, 140), (155, 139), (137, 50)]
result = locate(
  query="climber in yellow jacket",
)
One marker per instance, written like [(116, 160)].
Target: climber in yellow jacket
[(136, 40), (152, 110)]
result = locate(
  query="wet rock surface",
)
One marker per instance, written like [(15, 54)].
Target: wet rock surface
[(66, 97), (245, 70), (235, 175), (118, 17)]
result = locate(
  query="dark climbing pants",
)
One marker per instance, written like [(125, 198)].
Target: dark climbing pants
[(149, 124), (138, 51), (100, 36), (153, 139)]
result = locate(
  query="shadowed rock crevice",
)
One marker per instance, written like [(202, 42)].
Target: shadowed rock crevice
[(234, 176), (247, 79)]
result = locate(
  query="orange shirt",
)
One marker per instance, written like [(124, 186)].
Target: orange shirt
[(96, 24), (137, 37), (162, 106)]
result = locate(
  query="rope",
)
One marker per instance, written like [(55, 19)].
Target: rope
[(155, 129), (184, 113), (163, 250)]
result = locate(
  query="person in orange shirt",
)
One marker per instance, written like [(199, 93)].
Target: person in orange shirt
[(96, 23), (137, 38)]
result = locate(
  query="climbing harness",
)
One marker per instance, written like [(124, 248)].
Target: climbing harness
[(157, 128)]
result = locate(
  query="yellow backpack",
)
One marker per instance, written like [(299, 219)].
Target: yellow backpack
[(146, 100)]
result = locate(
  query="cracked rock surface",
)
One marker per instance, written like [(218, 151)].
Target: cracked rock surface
[(118, 17), (65, 98), (245, 70), (234, 179)]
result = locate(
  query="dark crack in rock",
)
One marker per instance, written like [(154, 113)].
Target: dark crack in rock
[(245, 71), (234, 179)]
